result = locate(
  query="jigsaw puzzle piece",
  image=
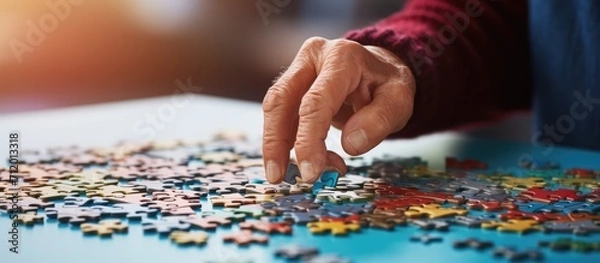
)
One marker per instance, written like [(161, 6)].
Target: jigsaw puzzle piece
[(295, 252), (165, 225), (133, 212), (30, 219), (73, 215), (115, 191), (473, 243), (206, 222), (104, 228), (291, 173), (231, 200), (565, 244), (245, 237), (268, 227), (304, 217), (335, 228), (336, 196), (84, 201), (582, 227), (24, 204), (472, 221), (433, 211), (430, 224), (255, 211), (547, 195), (518, 226), (187, 238), (347, 209), (512, 254), (327, 179)]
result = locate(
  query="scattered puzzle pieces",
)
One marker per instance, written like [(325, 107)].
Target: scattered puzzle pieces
[(512, 254), (433, 211), (164, 184), (565, 244)]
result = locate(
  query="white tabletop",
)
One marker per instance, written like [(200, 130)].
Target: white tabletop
[(186, 117)]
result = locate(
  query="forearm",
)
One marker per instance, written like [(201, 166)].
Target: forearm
[(469, 57)]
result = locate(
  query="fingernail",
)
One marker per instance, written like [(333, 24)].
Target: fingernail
[(273, 172), (307, 171), (358, 139)]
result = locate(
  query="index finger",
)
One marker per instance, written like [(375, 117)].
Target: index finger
[(280, 107), (337, 78)]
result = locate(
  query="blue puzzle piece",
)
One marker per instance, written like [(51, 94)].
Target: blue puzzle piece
[(571, 207), (291, 174), (340, 210), (328, 178)]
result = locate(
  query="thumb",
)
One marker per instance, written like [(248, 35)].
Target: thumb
[(388, 112)]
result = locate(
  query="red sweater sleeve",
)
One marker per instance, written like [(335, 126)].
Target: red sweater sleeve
[(470, 58)]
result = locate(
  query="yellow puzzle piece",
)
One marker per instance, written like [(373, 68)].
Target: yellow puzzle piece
[(433, 211), (522, 183), (104, 228), (30, 219), (336, 228), (514, 225), (188, 238)]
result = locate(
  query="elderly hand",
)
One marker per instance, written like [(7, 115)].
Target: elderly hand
[(366, 91)]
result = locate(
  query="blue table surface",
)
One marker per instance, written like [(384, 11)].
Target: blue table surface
[(54, 243)]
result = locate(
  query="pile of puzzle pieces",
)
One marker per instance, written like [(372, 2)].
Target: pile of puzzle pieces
[(162, 184)]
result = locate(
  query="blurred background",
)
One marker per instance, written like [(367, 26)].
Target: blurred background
[(57, 53)]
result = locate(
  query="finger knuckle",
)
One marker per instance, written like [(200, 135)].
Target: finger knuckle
[(272, 141), (315, 104), (314, 42), (346, 46), (275, 98)]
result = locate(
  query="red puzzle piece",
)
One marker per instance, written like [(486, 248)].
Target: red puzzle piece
[(401, 202), (440, 197), (489, 205)]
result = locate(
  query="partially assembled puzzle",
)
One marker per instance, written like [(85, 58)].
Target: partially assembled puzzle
[(163, 185)]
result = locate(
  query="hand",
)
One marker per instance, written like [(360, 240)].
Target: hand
[(366, 91)]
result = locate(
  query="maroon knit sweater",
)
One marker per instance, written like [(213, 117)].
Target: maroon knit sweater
[(470, 58)]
